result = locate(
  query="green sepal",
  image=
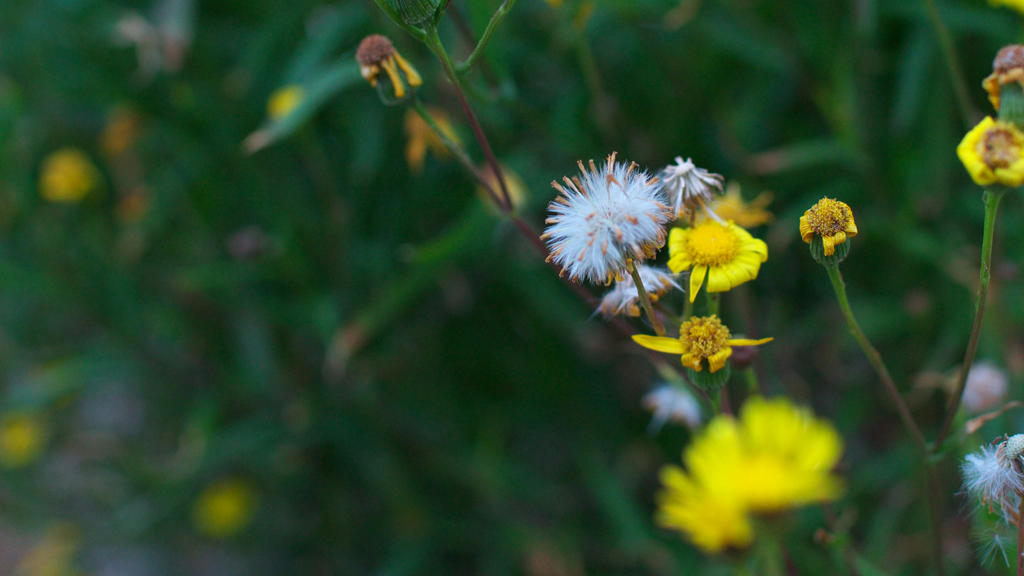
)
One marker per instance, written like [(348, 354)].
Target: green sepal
[(708, 380), (386, 90), (1011, 103), (817, 248), (416, 11)]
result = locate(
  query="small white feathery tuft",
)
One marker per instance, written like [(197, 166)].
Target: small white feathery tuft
[(995, 478), (671, 403), (625, 298), (604, 217), (986, 388), (688, 187)]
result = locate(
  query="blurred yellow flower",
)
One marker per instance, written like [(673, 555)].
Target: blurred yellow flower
[(53, 555), (723, 252), (776, 457), (120, 132), (284, 100), (1017, 5), (22, 439), (422, 138), (993, 152), (699, 339), (731, 207), (830, 219), (225, 508), (67, 175), (517, 191)]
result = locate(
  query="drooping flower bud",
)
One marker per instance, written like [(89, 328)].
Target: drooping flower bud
[(377, 53)]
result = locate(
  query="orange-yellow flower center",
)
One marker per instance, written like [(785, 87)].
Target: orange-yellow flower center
[(1001, 145), (829, 217), (711, 244), (704, 337)]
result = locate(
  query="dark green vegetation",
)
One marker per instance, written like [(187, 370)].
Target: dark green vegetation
[(409, 387)]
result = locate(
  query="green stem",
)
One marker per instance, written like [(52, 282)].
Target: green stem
[(874, 358), (772, 557), (687, 309), (645, 300), (433, 42), (992, 198), (753, 385), (956, 75), (713, 298), (464, 67)]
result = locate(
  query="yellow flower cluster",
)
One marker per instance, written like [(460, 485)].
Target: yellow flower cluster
[(700, 340), (830, 219), (775, 457)]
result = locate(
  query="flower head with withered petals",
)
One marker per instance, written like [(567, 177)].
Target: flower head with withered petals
[(375, 54), (724, 253), (775, 457), (700, 339), (688, 187), (830, 219), (993, 153), (603, 218)]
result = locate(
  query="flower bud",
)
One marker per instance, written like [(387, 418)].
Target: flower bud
[(416, 11), (825, 228), (375, 54)]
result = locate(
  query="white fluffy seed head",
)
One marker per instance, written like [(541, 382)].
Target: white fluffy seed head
[(995, 478), (604, 217), (624, 297), (671, 403), (688, 187)]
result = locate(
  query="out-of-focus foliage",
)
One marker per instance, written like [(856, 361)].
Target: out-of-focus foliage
[(374, 371)]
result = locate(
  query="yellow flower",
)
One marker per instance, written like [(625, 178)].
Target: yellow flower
[(22, 439), (517, 190), (224, 508), (830, 219), (776, 457), (993, 152), (724, 253), (67, 175), (422, 138), (700, 338), (284, 100), (744, 214), (1017, 5), (376, 53)]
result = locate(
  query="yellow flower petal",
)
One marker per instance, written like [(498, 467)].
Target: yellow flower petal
[(746, 342), (659, 343), (717, 360), (718, 279), (696, 279)]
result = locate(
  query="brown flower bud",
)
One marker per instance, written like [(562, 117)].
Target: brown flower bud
[(377, 53), (1007, 67)]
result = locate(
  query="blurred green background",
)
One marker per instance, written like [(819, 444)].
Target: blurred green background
[(316, 359)]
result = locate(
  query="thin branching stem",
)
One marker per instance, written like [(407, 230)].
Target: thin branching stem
[(434, 43), (645, 299), (992, 198), (464, 67), (874, 358)]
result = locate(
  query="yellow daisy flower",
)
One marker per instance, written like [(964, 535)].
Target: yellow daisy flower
[(830, 219), (724, 253), (284, 100), (993, 152), (699, 339), (775, 457)]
